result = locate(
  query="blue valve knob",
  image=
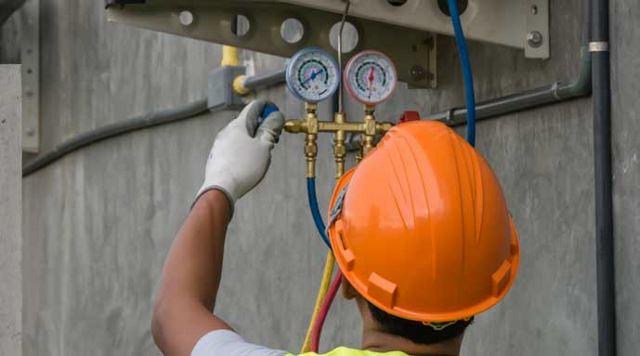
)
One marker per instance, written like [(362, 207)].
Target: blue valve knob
[(267, 110), (269, 107)]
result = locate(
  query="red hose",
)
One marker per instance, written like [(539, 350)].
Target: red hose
[(324, 310)]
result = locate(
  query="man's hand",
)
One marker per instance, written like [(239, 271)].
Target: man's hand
[(241, 153)]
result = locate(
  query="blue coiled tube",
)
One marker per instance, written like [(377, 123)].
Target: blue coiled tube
[(466, 71)]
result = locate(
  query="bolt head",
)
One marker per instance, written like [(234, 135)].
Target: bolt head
[(30, 132), (534, 9), (186, 18), (535, 39), (418, 73)]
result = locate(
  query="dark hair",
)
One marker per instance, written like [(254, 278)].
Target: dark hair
[(416, 331)]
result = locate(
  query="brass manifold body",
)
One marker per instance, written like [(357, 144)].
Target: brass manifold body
[(311, 126)]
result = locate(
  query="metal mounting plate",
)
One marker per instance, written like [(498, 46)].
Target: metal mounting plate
[(29, 17), (412, 50), (505, 22)]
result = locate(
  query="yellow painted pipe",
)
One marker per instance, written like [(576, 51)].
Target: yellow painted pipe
[(238, 85), (230, 56)]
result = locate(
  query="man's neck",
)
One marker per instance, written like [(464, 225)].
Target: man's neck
[(379, 341), (376, 339)]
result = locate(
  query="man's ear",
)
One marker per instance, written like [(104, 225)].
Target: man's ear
[(348, 292)]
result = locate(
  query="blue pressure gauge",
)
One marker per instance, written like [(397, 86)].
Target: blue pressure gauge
[(312, 75)]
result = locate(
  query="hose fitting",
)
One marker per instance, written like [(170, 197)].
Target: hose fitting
[(339, 147), (238, 85)]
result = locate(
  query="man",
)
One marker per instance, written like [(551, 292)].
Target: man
[(420, 231)]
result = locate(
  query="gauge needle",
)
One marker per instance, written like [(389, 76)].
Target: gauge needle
[(371, 77), (311, 77)]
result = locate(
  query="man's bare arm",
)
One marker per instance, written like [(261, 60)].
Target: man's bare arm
[(238, 161), (191, 277)]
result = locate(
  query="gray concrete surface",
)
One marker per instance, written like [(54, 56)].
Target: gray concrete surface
[(626, 155), (10, 210), (98, 224)]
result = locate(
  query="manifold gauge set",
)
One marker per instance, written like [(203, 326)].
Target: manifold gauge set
[(314, 75)]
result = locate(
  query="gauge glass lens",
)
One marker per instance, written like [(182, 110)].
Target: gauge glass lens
[(370, 77), (312, 75)]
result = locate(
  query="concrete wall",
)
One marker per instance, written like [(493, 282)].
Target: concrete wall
[(626, 173), (98, 224), (10, 211)]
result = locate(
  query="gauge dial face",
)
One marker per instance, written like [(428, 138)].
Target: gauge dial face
[(312, 75), (370, 77)]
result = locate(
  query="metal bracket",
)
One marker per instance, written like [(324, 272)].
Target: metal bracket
[(406, 33), (537, 43), (505, 22), (412, 50), (30, 57)]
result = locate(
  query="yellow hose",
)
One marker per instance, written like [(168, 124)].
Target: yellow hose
[(322, 292)]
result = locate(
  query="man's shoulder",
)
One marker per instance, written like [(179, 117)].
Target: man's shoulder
[(229, 343)]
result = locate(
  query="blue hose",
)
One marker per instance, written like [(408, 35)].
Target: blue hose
[(466, 71), (315, 211)]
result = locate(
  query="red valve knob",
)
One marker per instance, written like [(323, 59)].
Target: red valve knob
[(410, 116)]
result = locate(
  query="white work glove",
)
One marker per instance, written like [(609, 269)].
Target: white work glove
[(241, 153)]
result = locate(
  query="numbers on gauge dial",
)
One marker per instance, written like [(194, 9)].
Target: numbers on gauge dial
[(370, 77), (312, 75)]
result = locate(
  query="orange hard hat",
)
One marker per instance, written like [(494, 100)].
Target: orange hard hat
[(420, 227)]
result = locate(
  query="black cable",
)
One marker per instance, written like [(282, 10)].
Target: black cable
[(605, 262), (119, 128)]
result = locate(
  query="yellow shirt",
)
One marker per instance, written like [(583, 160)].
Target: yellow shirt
[(228, 343), (344, 351)]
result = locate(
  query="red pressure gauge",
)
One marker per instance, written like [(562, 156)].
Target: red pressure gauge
[(370, 77)]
